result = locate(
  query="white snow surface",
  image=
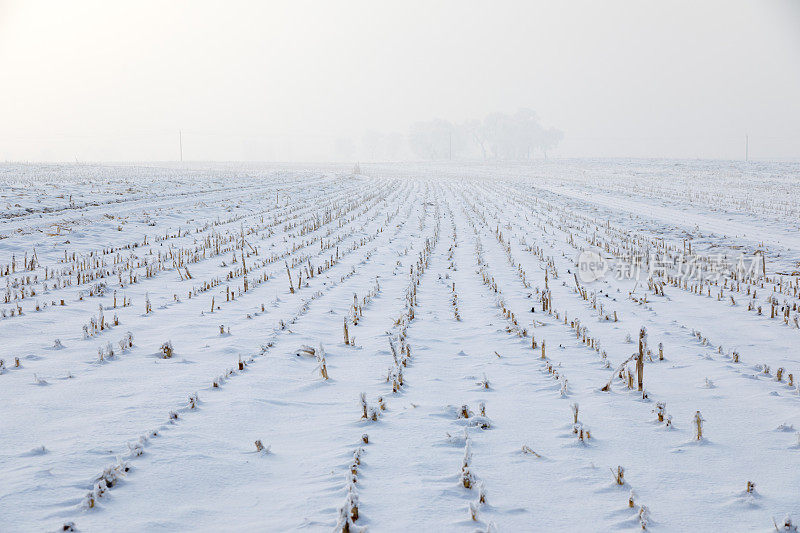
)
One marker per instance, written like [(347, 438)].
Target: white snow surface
[(448, 265)]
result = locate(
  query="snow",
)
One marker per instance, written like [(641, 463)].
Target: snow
[(436, 269)]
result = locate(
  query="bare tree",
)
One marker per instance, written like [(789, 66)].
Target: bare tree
[(497, 136)]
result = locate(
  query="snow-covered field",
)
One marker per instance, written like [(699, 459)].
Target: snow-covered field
[(418, 348)]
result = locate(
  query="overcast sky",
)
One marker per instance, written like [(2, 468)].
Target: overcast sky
[(274, 80)]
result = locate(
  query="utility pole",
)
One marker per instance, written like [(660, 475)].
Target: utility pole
[(450, 140), (180, 143), (746, 147)]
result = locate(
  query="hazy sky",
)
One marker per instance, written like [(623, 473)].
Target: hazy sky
[(274, 80)]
